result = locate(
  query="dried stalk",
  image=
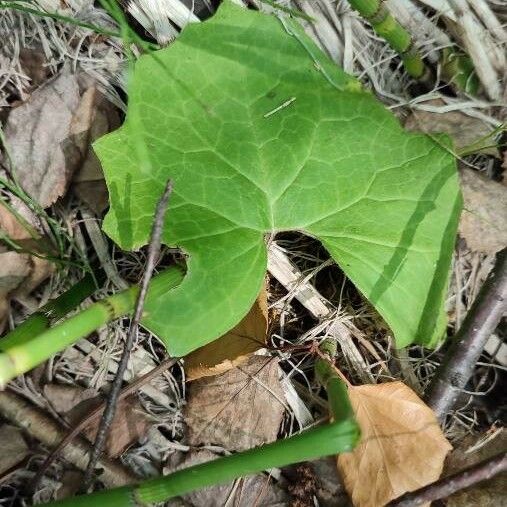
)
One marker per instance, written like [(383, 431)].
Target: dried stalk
[(469, 342), (96, 413), (45, 429), (110, 409), (456, 482)]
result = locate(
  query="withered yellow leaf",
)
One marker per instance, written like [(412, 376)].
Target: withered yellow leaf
[(233, 348), (402, 447)]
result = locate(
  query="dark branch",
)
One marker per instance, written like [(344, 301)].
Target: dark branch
[(109, 411), (468, 343), (456, 482)]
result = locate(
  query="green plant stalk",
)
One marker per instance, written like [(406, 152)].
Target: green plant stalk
[(52, 311), (23, 357), (377, 14), (340, 435), (458, 69)]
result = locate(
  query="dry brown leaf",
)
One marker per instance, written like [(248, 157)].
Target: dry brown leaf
[(35, 133), (253, 490), (33, 63), (483, 222), (130, 422), (402, 447), (462, 128), (19, 273), (95, 117), (233, 348), (239, 409), (14, 448)]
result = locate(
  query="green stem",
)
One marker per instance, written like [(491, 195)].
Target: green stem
[(378, 15), (340, 435), (22, 357), (52, 311)]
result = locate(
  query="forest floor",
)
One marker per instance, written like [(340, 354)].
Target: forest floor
[(72, 77)]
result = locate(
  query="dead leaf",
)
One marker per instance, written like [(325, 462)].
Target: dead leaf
[(462, 128), (402, 447), (253, 490), (95, 117), (19, 273), (35, 133), (482, 223), (64, 397), (130, 422), (233, 348), (14, 448), (33, 63), (240, 409)]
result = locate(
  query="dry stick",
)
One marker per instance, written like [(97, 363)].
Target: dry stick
[(109, 411), (468, 343), (94, 414), (445, 487), (40, 426)]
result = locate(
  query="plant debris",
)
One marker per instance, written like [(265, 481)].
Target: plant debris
[(402, 446), (233, 348), (20, 273), (230, 409), (483, 223), (259, 490), (14, 448), (130, 422)]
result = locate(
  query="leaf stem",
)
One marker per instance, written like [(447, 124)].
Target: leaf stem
[(382, 21), (23, 357), (54, 310)]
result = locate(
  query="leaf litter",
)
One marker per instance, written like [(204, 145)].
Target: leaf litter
[(239, 409), (469, 262), (402, 447)]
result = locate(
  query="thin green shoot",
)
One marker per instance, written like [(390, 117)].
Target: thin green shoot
[(22, 357), (52, 311)]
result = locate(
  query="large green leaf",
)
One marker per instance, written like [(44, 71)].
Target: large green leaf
[(332, 162)]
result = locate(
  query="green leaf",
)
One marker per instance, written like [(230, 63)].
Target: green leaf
[(332, 162)]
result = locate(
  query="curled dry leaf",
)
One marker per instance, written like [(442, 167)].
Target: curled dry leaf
[(233, 348), (94, 117), (49, 137), (35, 133), (239, 409), (20, 273), (483, 222), (402, 447)]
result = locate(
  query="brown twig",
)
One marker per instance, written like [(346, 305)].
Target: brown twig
[(40, 426), (445, 487), (94, 414), (110, 409), (468, 343)]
